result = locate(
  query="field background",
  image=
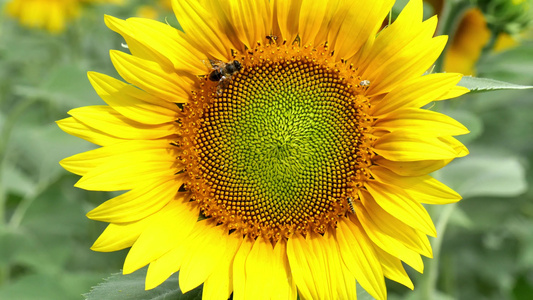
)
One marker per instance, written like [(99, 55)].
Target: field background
[(486, 243)]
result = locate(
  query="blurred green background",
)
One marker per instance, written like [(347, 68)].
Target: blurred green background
[(487, 245)]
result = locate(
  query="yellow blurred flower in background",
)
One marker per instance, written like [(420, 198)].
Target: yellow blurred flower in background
[(51, 15), (495, 25), (471, 37), (153, 11), (465, 49)]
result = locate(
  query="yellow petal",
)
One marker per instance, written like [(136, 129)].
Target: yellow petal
[(286, 16), (402, 51), (385, 241), (239, 269), (285, 287), (267, 272), (426, 122), (206, 246), (342, 281), (139, 203), (406, 27), (151, 77), (117, 174), (330, 14), (131, 102), (407, 146), (169, 228), (416, 92), (312, 18), (159, 42), (251, 20), (120, 236), (81, 130), (453, 93), (200, 30), (354, 24), (424, 189), (219, 284), (162, 268), (104, 118), (258, 270), (82, 163), (305, 270), (316, 259), (221, 13), (360, 258), (396, 229), (395, 70), (457, 146), (397, 203), (393, 268), (412, 168)]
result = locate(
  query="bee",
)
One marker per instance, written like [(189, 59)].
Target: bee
[(350, 203), (272, 38), (364, 83), (222, 73)]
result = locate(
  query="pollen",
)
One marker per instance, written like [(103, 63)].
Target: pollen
[(281, 146)]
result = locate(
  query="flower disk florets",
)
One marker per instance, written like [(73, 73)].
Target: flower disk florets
[(277, 148)]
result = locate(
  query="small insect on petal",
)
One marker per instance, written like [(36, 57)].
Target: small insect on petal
[(364, 83), (350, 203), (272, 38)]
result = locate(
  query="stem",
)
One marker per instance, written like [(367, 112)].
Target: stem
[(9, 124), (4, 138), (25, 203), (429, 285)]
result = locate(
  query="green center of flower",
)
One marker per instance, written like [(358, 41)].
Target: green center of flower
[(275, 146)]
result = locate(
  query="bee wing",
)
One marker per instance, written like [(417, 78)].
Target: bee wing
[(213, 64)]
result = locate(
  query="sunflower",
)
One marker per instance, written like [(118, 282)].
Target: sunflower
[(153, 11), (51, 15), (491, 26), (271, 149), (471, 37)]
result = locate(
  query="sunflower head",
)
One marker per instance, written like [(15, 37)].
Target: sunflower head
[(271, 148), (272, 112)]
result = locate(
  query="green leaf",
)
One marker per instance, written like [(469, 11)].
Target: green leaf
[(53, 146), (523, 288), (15, 180), (65, 85), (478, 85), (118, 287), (12, 243), (485, 174)]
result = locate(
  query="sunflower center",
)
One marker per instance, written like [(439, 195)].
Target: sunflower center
[(273, 147)]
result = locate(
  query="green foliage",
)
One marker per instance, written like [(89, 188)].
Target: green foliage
[(118, 287), (486, 174), (44, 234)]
